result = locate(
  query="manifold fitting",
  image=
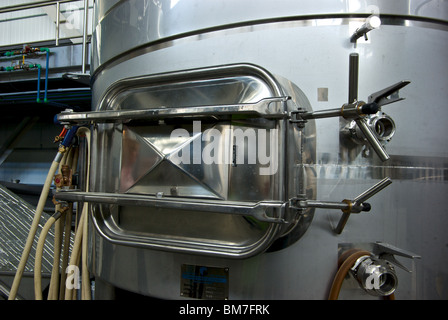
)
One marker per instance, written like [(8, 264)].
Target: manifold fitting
[(376, 276), (381, 124)]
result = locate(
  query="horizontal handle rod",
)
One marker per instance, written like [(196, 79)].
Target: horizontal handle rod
[(268, 211), (262, 108)]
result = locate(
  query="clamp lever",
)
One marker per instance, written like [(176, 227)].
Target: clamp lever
[(388, 95)]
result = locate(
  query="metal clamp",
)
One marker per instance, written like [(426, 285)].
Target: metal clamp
[(388, 252), (388, 95)]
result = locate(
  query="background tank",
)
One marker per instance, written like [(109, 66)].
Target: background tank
[(308, 44)]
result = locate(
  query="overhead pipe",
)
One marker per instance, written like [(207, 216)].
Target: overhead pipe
[(28, 67), (26, 50), (47, 61), (38, 82), (29, 50)]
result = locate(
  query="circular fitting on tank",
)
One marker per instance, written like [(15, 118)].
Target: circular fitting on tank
[(375, 276), (383, 126), (380, 123)]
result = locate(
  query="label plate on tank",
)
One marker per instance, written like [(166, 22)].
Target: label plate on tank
[(202, 282)]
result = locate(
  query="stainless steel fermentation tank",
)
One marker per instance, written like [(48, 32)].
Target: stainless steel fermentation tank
[(227, 137)]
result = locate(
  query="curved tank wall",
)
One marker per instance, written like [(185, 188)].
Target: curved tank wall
[(308, 44)]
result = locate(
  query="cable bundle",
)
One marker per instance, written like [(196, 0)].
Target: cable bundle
[(60, 285)]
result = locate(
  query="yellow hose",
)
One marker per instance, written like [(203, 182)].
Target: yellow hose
[(54, 280), (85, 271), (39, 254), (67, 224), (345, 267), (75, 251), (60, 229), (33, 228), (66, 248), (57, 242), (85, 293), (80, 245), (80, 238)]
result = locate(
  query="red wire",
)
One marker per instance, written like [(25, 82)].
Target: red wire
[(63, 132)]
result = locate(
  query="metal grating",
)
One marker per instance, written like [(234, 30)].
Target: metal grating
[(16, 216)]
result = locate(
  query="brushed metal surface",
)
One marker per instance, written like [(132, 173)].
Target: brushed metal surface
[(313, 54), (233, 203)]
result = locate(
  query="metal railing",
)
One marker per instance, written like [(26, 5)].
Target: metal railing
[(77, 30)]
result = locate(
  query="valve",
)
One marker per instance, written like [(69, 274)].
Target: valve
[(347, 207), (375, 271), (366, 123), (64, 179), (371, 23), (376, 276), (380, 123)]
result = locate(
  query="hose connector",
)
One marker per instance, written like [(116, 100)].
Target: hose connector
[(69, 136), (381, 124), (376, 276)]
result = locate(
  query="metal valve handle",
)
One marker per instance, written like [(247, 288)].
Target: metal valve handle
[(357, 110), (380, 98), (359, 200), (347, 207), (373, 140)]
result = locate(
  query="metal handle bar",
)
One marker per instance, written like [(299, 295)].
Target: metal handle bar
[(361, 199), (268, 211), (261, 108), (346, 206)]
